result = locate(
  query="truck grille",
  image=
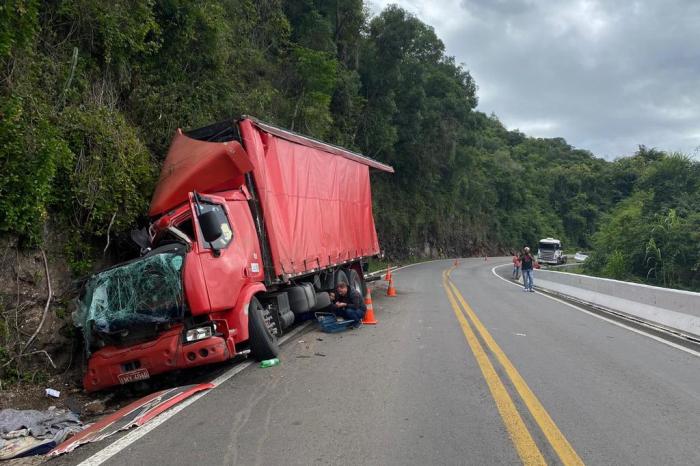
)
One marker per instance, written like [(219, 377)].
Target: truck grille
[(547, 256)]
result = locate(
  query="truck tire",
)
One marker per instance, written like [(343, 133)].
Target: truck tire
[(357, 283), (263, 344)]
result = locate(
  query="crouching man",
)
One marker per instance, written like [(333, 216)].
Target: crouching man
[(349, 304)]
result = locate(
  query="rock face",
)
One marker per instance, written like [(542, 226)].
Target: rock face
[(52, 359), (23, 297)]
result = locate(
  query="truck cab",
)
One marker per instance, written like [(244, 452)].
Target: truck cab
[(550, 251), (173, 307)]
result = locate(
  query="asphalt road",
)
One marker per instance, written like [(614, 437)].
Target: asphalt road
[(503, 377)]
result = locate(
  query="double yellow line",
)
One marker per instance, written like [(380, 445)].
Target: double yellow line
[(527, 449)]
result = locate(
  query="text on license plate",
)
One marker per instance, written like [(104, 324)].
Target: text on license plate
[(133, 376)]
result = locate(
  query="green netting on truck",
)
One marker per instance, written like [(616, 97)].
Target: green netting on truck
[(133, 297)]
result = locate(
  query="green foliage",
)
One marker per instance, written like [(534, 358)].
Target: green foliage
[(113, 172), (18, 22), (113, 32), (33, 152), (616, 266), (658, 226)]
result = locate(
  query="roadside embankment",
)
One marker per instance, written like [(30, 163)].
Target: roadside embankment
[(675, 310)]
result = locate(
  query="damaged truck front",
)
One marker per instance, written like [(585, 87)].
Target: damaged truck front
[(251, 226)]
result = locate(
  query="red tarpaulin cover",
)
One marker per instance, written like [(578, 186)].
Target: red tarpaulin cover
[(194, 165), (317, 205)]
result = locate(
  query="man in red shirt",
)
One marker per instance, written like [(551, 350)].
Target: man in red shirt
[(516, 267)]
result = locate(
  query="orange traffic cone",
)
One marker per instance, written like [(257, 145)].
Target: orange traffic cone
[(456, 264), (391, 291), (369, 314), (387, 277)]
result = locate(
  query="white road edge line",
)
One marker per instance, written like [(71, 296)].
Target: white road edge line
[(136, 433), (396, 269), (619, 324)]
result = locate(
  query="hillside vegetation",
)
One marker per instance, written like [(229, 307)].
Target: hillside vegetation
[(93, 90)]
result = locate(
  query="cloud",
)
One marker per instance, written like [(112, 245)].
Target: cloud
[(607, 76)]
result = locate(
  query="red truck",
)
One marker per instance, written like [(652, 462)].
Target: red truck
[(251, 225)]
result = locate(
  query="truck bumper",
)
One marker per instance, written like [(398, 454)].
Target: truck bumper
[(114, 366)]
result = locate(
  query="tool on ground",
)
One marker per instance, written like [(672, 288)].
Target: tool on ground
[(391, 291), (329, 323), (369, 318)]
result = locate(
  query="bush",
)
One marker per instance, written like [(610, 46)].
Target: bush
[(33, 153)]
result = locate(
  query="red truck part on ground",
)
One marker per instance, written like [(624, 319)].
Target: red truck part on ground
[(251, 225)]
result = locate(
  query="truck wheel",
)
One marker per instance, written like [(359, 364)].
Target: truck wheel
[(263, 344), (357, 283)]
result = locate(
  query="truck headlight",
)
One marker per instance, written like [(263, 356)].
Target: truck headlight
[(199, 333)]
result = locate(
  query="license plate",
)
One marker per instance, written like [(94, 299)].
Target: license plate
[(133, 376)]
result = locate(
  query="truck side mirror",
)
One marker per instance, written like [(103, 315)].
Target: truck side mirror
[(210, 225)]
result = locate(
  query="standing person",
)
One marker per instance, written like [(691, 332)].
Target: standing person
[(516, 266), (349, 304), (527, 263)]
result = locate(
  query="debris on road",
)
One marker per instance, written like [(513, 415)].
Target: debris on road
[(320, 354), (97, 406), (50, 392), (136, 414), (31, 432), (269, 362)]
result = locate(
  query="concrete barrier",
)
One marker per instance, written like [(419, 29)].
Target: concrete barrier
[(676, 310)]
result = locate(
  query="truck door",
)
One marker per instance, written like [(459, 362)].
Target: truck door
[(226, 261)]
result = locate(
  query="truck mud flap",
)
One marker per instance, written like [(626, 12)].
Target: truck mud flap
[(136, 414)]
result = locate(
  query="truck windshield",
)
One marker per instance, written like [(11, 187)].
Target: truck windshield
[(141, 293), (549, 246)]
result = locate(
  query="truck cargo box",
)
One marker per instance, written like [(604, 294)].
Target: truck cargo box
[(316, 199)]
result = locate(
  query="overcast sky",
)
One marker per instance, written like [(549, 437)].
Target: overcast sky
[(605, 75)]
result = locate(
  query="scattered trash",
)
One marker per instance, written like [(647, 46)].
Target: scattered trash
[(136, 414), (303, 356), (53, 393), (96, 406), (301, 341), (319, 354), (521, 334), (31, 432), (270, 362)]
